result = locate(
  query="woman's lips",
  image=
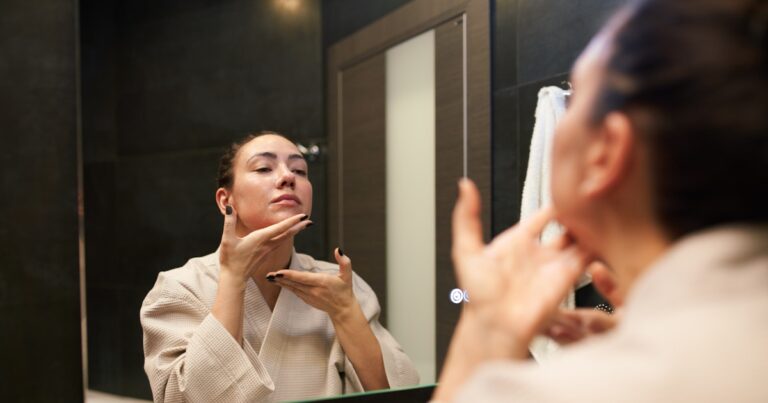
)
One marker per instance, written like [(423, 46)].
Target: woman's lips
[(286, 199)]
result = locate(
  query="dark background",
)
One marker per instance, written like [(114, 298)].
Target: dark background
[(39, 274), (165, 86)]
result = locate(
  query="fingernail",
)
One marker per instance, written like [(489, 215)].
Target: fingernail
[(304, 217), (341, 252), (309, 225), (228, 209), (279, 275), (271, 278)]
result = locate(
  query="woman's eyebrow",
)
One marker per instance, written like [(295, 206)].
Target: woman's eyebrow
[(271, 155), (266, 154)]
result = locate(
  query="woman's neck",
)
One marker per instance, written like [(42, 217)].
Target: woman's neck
[(278, 259), (633, 252)]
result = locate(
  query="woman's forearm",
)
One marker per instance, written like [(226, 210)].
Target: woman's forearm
[(471, 346), (361, 347), (229, 305)]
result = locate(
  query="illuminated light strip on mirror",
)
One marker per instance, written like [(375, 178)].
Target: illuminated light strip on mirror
[(464, 89), (340, 152)]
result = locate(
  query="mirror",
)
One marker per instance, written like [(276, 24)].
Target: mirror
[(166, 86)]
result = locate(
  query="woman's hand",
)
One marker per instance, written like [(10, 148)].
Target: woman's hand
[(327, 292), (333, 294), (515, 283), (515, 286), (572, 325), (239, 257)]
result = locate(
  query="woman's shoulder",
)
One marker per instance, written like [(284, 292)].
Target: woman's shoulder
[(195, 280)]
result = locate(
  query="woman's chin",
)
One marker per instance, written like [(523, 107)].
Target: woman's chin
[(284, 213)]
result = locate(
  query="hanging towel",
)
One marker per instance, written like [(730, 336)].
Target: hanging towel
[(536, 189)]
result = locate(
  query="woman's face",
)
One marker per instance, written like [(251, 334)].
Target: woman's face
[(270, 183), (573, 137)]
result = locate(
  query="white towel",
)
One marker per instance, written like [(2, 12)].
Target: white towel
[(536, 190)]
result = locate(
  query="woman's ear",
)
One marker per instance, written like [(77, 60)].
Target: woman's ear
[(605, 282), (609, 158), (222, 199)]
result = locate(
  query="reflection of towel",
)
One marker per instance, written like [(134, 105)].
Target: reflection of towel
[(536, 190)]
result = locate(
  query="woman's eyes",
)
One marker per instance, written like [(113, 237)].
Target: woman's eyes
[(297, 171)]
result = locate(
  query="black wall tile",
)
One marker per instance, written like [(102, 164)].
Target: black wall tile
[(165, 213), (40, 350), (100, 231), (113, 325), (99, 70), (202, 76), (504, 39), (343, 17), (552, 33), (39, 293), (506, 185)]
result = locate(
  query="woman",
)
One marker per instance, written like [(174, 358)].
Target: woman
[(660, 170), (223, 327)]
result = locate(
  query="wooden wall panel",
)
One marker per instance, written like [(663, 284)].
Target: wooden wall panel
[(362, 164), (449, 145)]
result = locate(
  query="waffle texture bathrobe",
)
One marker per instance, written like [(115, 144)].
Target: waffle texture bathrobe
[(291, 353), (694, 329)]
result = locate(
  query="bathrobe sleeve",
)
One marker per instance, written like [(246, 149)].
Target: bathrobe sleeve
[(398, 367), (190, 357)]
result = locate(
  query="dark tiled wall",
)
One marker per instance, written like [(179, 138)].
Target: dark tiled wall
[(39, 275), (166, 86), (343, 17), (535, 43)]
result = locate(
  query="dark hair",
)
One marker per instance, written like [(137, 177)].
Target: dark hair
[(226, 176), (693, 77)]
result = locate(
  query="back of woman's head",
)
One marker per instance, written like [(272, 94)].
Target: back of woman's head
[(693, 77)]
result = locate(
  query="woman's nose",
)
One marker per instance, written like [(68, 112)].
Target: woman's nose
[(286, 178)]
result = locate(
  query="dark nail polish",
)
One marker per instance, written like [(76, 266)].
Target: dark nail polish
[(341, 252), (228, 209), (309, 225), (279, 275), (271, 278), (304, 217)]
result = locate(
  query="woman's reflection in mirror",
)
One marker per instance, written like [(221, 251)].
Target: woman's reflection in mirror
[(255, 320)]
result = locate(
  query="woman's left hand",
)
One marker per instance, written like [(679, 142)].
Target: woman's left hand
[(327, 292), (515, 283)]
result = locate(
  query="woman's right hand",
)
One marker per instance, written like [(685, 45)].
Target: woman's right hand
[(239, 257)]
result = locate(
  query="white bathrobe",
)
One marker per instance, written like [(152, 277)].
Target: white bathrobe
[(291, 353), (694, 329)]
